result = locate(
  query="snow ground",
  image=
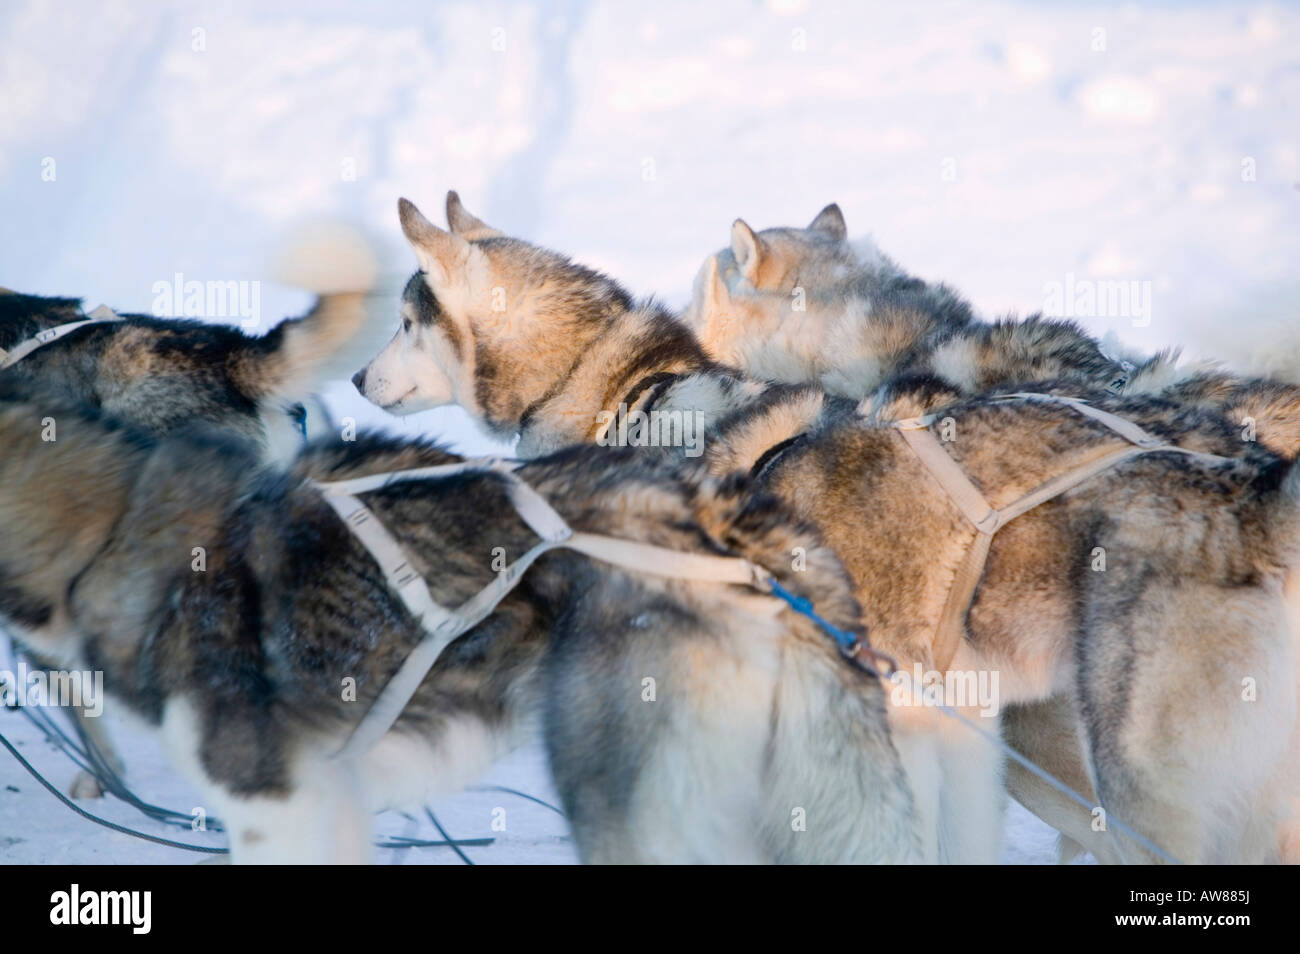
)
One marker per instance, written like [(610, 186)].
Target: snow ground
[(1003, 147), (35, 828)]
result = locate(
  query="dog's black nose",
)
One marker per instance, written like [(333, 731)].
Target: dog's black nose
[(359, 379)]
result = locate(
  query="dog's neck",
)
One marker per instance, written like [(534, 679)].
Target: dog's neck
[(638, 351)]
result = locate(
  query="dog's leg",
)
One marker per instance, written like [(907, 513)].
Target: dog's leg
[(95, 735), (1189, 701), (956, 780), (1047, 733), (915, 732), (322, 820), (831, 754), (674, 780), (92, 731), (972, 803), (1288, 778), (740, 749)]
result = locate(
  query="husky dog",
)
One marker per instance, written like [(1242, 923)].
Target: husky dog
[(685, 721), (165, 373), (806, 305), (1264, 409), (540, 365), (809, 306), (161, 375), (1149, 656)]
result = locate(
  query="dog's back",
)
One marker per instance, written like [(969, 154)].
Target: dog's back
[(233, 609)]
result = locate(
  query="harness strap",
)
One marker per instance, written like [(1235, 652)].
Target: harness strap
[(1121, 426), (21, 350), (443, 625), (949, 475), (670, 564), (950, 629)]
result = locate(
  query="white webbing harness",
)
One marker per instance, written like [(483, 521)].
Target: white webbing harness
[(21, 350), (442, 625), (987, 521)]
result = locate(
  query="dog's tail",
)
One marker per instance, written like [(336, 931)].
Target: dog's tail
[(834, 787), (296, 358)]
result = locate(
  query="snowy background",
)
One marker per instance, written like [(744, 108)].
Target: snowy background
[(1001, 147)]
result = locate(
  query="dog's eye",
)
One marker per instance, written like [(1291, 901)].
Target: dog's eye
[(406, 325)]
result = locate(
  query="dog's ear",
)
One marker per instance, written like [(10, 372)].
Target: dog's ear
[(748, 250), (464, 223), (443, 256), (831, 221), (714, 294)]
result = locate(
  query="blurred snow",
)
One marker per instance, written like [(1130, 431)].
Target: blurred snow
[(35, 828), (1003, 147)]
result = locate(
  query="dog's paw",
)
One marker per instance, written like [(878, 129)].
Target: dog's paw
[(85, 785)]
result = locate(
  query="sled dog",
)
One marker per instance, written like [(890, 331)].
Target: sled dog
[(809, 306), (166, 374), (685, 721), (1149, 598), (161, 374)]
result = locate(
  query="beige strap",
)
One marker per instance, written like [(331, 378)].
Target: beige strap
[(443, 625), (951, 627), (660, 561), (951, 478), (39, 340), (961, 591), (1101, 459), (1121, 426), (530, 505)]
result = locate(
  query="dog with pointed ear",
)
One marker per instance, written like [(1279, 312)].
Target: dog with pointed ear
[(831, 221), (762, 263), (748, 250), (485, 307), (463, 223), (421, 366), (713, 322), (450, 261)]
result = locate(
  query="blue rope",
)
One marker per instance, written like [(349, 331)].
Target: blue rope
[(803, 606)]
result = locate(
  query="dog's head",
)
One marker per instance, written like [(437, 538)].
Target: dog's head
[(760, 303), (488, 322), (778, 260)]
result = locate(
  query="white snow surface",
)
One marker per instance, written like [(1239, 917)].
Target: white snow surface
[(1002, 147)]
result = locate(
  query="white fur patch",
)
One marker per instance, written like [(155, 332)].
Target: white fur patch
[(957, 361), (869, 255), (415, 371), (404, 769)]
